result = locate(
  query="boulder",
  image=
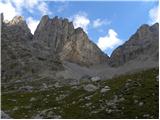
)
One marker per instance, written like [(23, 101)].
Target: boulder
[(157, 78), (26, 89), (107, 87), (140, 104), (90, 88), (32, 99), (85, 78), (103, 90), (95, 79)]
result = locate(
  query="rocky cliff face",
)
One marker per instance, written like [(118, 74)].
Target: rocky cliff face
[(58, 37), (54, 41), (142, 45)]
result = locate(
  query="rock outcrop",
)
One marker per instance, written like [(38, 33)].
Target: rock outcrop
[(143, 45)]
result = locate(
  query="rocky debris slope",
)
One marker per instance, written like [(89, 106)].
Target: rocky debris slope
[(141, 46)]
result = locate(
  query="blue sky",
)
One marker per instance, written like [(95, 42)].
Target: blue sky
[(108, 24)]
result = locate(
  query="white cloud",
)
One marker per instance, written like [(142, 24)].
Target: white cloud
[(98, 22), (32, 24), (17, 5), (154, 15), (81, 20), (62, 7), (11, 8), (43, 8), (31, 3), (8, 10), (110, 41)]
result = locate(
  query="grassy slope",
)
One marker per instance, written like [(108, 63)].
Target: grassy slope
[(142, 87)]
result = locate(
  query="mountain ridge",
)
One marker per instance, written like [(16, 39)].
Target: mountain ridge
[(61, 52)]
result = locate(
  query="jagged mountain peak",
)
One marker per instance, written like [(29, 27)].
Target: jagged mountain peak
[(59, 23), (55, 23), (79, 30), (146, 27), (19, 25), (156, 25), (17, 19)]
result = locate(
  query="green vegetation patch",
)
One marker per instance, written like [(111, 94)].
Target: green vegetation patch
[(130, 96)]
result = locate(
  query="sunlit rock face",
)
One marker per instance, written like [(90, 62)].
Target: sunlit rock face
[(59, 38)]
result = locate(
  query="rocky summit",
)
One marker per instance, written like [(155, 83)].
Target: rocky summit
[(58, 72)]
